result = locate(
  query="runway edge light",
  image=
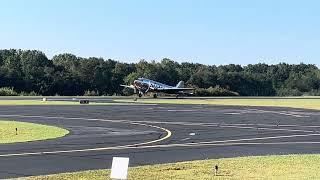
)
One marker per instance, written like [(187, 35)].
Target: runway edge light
[(119, 168)]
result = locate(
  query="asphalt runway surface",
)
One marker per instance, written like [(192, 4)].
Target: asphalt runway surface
[(153, 134)]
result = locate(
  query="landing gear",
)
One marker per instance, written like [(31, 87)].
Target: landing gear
[(177, 96), (140, 95), (155, 95)]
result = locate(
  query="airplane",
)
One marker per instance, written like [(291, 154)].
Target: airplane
[(143, 86)]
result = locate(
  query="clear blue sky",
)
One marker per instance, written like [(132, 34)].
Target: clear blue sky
[(209, 32)]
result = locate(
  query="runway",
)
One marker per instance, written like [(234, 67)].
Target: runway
[(152, 134)]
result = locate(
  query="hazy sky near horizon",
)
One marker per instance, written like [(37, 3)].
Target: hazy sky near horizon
[(202, 31)]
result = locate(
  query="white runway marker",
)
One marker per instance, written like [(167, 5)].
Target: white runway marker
[(280, 112), (232, 113), (181, 110)]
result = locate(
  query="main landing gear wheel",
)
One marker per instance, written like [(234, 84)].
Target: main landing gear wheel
[(140, 95), (155, 95)]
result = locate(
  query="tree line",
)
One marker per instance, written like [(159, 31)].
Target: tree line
[(31, 71)]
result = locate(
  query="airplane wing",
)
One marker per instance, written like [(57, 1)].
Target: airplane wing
[(172, 90), (126, 86)]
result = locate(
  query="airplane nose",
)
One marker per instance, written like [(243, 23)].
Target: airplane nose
[(136, 82)]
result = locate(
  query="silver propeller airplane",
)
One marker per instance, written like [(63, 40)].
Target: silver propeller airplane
[(143, 86)]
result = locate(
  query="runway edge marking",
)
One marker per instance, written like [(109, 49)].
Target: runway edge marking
[(169, 134)]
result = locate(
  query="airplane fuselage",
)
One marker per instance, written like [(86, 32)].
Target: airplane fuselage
[(143, 86), (147, 85)]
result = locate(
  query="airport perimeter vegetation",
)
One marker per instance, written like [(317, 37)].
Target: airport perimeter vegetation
[(256, 167)]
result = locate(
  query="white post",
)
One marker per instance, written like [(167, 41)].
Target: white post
[(119, 169)]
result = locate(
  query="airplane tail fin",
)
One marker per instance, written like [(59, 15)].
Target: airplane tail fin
[(180, 85)]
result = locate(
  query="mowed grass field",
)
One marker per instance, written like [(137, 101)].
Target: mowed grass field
[(51, 102), (259, 167), (35, 102), (296, 102), (307, 103), (27, 132)]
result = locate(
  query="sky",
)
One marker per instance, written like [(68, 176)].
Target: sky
[(210, 32)]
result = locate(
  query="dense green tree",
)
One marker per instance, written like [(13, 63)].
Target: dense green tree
[(203, 78), (37, 69), (186, 70), (66, 74), (119, 73)]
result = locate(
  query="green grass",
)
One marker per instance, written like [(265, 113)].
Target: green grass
[(35, 102), (296, 102), (40, 97), (308, 103), (39, 102), (18, 102), (27, 132), (259, 167)]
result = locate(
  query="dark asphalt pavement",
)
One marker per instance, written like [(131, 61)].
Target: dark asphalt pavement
[(152, 134)]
